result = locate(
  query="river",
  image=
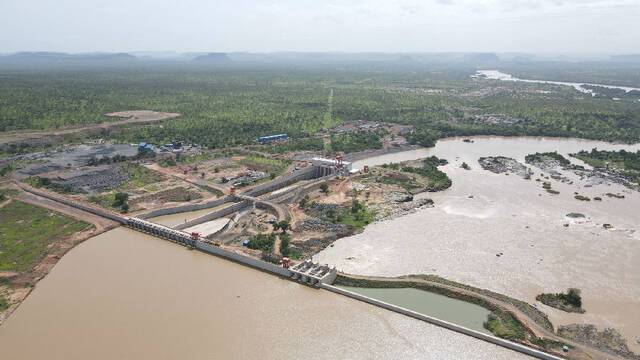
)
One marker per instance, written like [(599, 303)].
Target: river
[(455, 311), (497, 75), (127, 295), (485, 214)]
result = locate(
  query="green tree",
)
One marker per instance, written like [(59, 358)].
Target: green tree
[(120, 199), (284, 244), (324, 188), (304, 202), (282, 226), (572, 297)]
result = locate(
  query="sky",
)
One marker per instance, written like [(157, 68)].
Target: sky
[(536, 26)]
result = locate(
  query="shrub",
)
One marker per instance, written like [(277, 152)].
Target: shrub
[(263, 242)]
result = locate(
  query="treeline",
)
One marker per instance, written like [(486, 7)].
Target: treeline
[(234, 107), (353, 142), (624, 160)]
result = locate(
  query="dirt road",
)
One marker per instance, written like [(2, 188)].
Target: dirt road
[(128, 118)]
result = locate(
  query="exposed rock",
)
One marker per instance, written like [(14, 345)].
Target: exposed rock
[(400, 209), (319, 225), (505, 165), (398, 197), (608, 340), (575, 215), (321, 210)]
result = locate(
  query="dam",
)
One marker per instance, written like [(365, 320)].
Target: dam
[(306, 272)]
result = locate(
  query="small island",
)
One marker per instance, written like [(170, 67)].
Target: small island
[(569, 302)]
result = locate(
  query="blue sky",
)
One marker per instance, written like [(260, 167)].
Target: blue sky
[(551, 26)]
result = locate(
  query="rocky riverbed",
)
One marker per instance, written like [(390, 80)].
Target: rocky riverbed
[(505, 165)]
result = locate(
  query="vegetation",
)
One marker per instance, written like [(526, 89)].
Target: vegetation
[(623, 163), (6, 193), (569, 302), (622, 160), (263, 242), (94, 161), (26, 231), (44, 182), (259, 163), (304, 202), (140, 176), (6, 169), (306, 144), (120, 200), (433, 178), (282, 225), (549, 344), (4, 303), (358, 215), (541, 157), (502, 324), (233, 106), (436, 179), (285, 248), (353, 142), (406, 181)]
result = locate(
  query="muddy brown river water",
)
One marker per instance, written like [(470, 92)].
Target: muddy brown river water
[(127, 295), (460, 237)]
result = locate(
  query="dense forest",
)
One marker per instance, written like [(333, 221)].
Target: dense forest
[(233, 106)]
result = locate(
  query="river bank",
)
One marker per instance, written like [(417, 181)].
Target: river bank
[(16, 286)]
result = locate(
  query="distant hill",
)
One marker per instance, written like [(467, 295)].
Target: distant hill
[(213, 58), (631, 58), (482, 58), (44, 56)]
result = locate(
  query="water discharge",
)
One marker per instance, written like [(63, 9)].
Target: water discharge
[(507, 234)]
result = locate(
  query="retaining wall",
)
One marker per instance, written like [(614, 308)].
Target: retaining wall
[(230, 223), (187, 208), (457, 328), (255, 263), (303, 174), (215, 215), (296, 194)]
